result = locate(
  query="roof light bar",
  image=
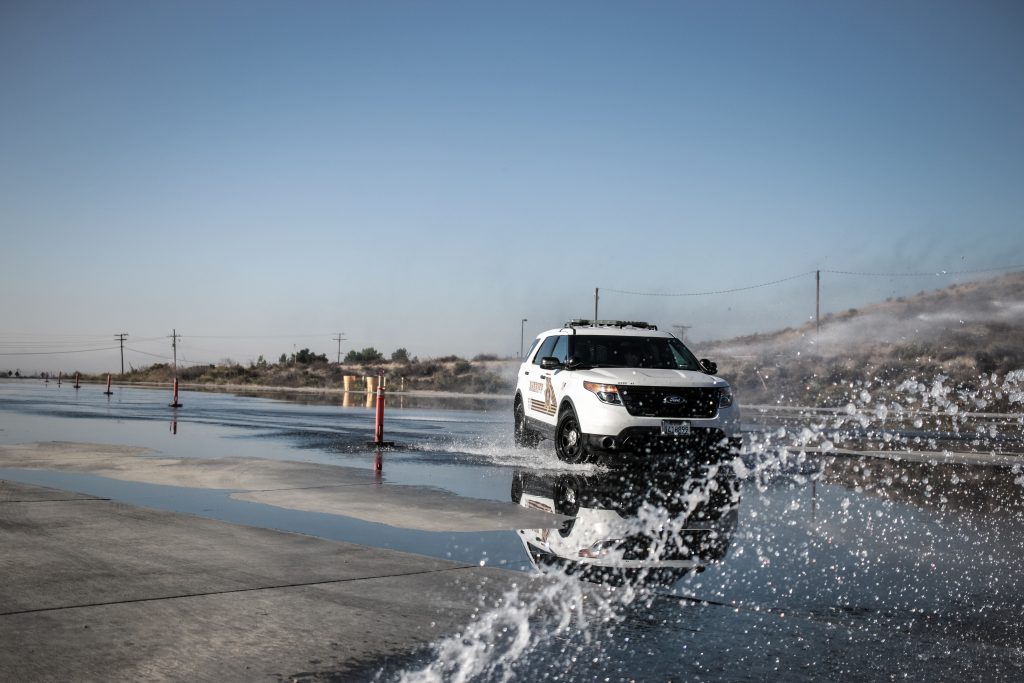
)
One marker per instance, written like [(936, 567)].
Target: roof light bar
[(578, 322)]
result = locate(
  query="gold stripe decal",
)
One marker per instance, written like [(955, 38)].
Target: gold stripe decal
[(542, 407)]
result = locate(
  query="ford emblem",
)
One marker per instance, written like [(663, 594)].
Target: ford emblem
[(672, 400)]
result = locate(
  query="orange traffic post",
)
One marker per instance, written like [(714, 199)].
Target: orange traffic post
[(175, 403), (108, 392), (378, 427), (77, 385)]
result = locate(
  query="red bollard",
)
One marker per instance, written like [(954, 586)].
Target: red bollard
[(175, 403), (378, 427), (108, 392), (77, 386)]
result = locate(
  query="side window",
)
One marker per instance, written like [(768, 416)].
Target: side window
[(561, 350), (545, 349), (532, 347)]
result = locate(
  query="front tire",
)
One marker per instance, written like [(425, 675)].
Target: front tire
[(517, 487), (524, 436), (569, 439)]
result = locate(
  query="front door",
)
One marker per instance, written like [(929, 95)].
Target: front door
[(542, 399)]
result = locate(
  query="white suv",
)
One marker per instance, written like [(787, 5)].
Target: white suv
[(605, 387)]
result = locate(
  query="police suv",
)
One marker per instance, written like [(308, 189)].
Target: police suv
[(604, 387)]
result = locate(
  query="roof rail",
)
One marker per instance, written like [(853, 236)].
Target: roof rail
[(610, 323)]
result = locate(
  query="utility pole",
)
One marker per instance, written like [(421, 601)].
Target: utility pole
[(340, 338), (596, 297), (817, 303), (522, 326), (174, 345), (681, 330), (121, 337)]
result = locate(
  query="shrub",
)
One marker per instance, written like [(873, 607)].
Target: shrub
[(367, 355), (307, 357)]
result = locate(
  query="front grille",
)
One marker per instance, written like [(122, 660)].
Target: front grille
[(698, 544), (670, 401)]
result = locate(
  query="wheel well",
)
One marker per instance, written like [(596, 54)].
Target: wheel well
[(566, 405)]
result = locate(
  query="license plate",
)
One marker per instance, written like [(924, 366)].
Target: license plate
[(675, 427)]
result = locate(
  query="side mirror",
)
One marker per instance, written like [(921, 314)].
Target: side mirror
[(550, 363), (573, 363), (709, 367)]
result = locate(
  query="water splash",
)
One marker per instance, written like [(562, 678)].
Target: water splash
[(908, 531)]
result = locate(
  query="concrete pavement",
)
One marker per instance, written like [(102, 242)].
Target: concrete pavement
[(98, 590)]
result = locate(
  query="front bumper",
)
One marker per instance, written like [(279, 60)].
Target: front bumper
[(650, 440), (610, 429)]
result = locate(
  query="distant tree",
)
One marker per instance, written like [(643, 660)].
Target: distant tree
[(307, 357), (17, 373), (10, 374), (283, 360), (367, 355), (400, 356), (261, 362)]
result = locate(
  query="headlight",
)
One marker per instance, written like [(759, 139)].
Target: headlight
[(600, 549), (607, 393), (725, 397)]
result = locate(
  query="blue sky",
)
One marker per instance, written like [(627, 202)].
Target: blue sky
[(263, 175)]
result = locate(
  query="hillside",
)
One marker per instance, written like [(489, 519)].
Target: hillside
[(961, 336), (478, 376)]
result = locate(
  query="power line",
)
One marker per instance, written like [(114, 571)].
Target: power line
[(718, 291), (939, 273), (258, 336), (155, 355), (53, 353)]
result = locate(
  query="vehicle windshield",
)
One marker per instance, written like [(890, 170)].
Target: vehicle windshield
[(607, 351)]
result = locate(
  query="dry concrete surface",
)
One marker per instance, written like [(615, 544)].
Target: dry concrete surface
[(97, 590)]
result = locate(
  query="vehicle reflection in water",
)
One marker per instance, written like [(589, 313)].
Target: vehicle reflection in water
[(174, 427), (630, 526)]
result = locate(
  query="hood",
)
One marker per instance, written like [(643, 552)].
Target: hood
[(652, 377)]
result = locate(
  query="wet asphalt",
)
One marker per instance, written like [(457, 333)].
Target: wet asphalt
[(825, 559)]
